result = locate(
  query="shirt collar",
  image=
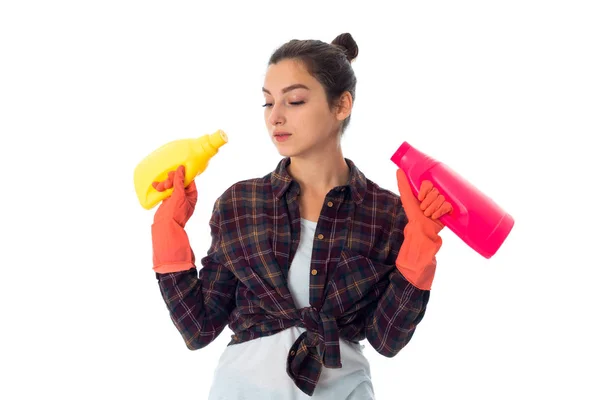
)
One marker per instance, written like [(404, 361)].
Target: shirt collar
[(357, 183)]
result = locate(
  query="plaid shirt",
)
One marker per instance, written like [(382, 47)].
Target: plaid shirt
[(356, 291)]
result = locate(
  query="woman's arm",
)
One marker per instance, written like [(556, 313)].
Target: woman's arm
[(199, 304), (391, 325), (414, 243)]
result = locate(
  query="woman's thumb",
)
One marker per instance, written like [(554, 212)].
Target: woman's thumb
[(179, 179), (409, 200)]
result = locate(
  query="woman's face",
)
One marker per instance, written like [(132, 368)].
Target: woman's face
[(297, 114)]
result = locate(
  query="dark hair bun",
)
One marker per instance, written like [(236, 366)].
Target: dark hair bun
[(347, 43)]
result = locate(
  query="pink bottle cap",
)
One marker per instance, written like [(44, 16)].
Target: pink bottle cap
[(397, 156)]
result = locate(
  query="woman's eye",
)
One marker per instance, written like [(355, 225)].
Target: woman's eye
[(294, 103)]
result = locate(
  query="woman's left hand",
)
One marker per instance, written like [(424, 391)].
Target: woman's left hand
[(427, 208), (416, 258)]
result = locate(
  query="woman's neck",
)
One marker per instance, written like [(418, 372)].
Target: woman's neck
[(318, 174)]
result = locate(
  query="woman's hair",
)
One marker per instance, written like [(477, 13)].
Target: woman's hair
[(328, 63)]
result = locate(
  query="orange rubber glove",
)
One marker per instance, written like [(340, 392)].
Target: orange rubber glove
[(416, 260), (170, 244)]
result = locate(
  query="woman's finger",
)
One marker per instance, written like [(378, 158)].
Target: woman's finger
[(179, 179), (425, 189), (158, 186), (408, 200), (444, 209), (429, 199), (164, 185), (434, 206)]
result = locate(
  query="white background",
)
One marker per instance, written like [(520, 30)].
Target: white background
[(506, 93)]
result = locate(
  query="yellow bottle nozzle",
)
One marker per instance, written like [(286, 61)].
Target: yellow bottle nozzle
[(217, 139)]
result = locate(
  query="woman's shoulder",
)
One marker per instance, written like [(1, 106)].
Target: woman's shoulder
[(246, 189), (385, 206), (383, 197), (372, 192)]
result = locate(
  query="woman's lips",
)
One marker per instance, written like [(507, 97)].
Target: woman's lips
[(282, 136)]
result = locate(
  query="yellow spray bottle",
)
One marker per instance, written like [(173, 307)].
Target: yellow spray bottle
[(193, 153)]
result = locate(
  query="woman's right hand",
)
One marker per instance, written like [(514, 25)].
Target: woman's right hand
[(170, 244), (182, 202)]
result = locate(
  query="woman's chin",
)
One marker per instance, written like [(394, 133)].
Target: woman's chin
[(285, 151)]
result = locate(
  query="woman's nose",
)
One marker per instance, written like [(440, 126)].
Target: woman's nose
[(277, 115)]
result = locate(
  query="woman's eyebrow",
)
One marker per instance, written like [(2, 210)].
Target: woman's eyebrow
[(291, 87)]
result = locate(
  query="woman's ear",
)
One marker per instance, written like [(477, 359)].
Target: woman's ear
[(344, 106)]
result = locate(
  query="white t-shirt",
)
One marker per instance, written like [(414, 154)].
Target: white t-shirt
[(256, 369)]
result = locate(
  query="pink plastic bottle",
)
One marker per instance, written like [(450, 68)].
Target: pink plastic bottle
[(475, 218)]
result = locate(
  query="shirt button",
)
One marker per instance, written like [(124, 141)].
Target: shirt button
[(330, 204), (292, 353), (321, 236), (314, 272)]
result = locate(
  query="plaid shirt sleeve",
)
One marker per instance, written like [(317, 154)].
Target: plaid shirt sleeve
[(200, 304), (392, 323)]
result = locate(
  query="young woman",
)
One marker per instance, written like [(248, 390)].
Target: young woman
[(308, 260)]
